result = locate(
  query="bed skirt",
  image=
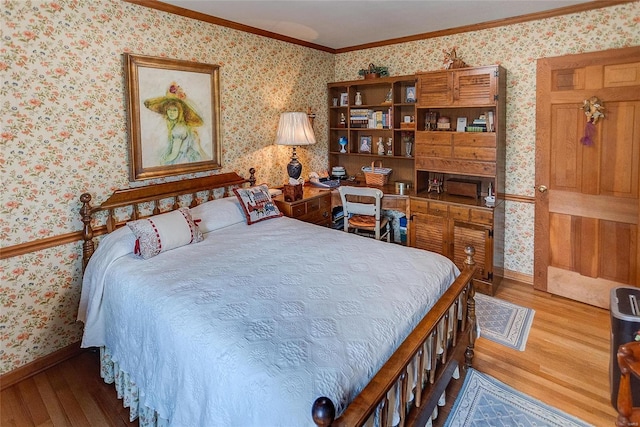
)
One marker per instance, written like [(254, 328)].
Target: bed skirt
[(127, 390), (133, 398)]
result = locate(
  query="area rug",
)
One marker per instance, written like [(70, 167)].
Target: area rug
[(485, 401), (503, 322)]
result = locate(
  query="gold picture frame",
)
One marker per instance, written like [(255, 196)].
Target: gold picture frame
[(173, 116)]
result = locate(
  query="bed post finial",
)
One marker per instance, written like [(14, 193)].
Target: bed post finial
[(323, 412), (87, 231), (252, 176), (470, 251)]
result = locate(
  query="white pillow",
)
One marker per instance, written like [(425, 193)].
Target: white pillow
[(217, 214), (164, 232)]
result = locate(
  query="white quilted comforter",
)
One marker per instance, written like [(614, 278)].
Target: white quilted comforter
[(251, 325)]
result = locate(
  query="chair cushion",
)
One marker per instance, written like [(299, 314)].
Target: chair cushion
[(362, 221)]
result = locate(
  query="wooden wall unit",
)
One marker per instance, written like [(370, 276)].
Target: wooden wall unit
[(440, 222), (455, 221), (387, 97)]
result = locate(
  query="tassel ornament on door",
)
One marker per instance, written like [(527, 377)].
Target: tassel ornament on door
[(593, 110)]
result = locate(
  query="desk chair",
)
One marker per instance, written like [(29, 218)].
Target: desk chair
[(362, 216), (629, 364)]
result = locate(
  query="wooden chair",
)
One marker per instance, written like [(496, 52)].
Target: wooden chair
[(360, 216), (629, 364)]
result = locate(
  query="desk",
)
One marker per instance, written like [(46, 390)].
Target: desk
[(307, 210), (391, 200)]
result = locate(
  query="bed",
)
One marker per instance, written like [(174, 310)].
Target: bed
[(274, 322)]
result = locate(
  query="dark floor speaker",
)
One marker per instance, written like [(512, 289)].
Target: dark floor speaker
[(625, 324)]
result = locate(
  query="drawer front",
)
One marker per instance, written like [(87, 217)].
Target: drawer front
[(437, 209), (317, 217), (418, 206), (425, 150), (325, 203), (298, 210), (481, 216), (474, 139), (459, 213), (455, 166), (318, 210), (475, 153), (433, 138), (313, 205)]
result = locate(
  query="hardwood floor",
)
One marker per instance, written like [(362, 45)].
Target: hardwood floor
[(565, 364)]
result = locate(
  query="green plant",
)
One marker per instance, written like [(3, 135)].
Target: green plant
[(373, 69)]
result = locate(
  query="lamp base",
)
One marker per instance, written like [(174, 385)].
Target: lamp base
[(292, 192), (294, 167)]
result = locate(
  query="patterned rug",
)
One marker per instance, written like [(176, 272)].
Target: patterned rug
[(485, 401), (503, 322)]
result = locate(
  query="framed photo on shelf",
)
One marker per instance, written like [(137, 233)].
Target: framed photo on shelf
[(344, 99), (365, 144), (173, 119), (410, 94)]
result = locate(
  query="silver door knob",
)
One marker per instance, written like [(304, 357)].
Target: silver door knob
[(542, 189)]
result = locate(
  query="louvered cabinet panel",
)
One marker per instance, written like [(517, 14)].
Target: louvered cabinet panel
[(435, 88), (429, 232), (465, 234), (476, 86)]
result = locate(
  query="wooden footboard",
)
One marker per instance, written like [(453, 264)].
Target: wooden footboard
[(417, 374)]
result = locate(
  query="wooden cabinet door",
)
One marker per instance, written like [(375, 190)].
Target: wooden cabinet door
[(587, 203), (478, 236), (477, 86), (429, 232), (435, 89)]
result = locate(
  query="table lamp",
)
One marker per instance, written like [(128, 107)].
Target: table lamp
[(294, 129)]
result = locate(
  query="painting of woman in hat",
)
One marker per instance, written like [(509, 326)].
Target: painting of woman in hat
[(183, 141)]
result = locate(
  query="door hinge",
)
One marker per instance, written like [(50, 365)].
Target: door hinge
[(490, 276), (496, 73), (495, 97), (490, 232)]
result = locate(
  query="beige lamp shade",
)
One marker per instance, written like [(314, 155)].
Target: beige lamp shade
[(294, 129)]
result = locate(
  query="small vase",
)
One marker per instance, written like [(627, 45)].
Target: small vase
[(407, 148), (343, 143), (358, 98)]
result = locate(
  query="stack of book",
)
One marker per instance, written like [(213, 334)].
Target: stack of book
[(359, 118), (478, 125), (372, 119)]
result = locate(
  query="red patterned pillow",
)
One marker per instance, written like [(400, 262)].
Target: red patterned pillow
[(256, 203), (164, 232)]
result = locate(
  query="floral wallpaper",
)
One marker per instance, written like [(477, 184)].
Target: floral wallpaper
[(64, 124), (516, 48), (64, 133)]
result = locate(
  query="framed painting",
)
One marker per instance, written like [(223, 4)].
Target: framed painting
[(173, 116)]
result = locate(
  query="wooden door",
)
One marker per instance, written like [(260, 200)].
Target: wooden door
[(587, 204)]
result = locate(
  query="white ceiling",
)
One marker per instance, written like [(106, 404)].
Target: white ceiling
[(348, 23)]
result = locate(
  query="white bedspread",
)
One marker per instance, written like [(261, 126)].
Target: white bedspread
[(250, 326)]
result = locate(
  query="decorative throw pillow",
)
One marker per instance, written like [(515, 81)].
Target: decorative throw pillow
[(256, 203), (164, 232)]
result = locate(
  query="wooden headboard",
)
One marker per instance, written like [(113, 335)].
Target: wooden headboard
[(154, 194)]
